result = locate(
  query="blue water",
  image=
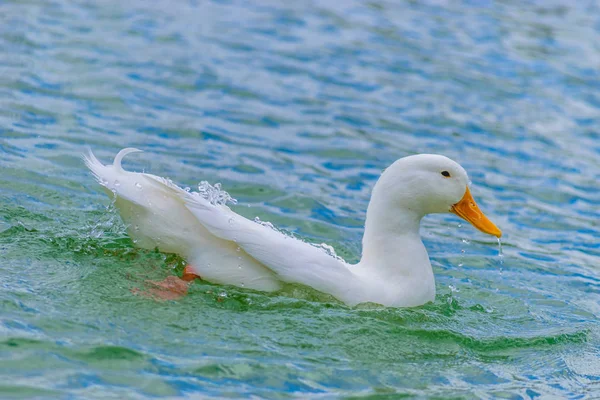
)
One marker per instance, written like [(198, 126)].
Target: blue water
[(296, 107)]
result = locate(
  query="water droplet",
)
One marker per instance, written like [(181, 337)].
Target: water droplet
[(459, 225), (500, 255), (242, 284), (463, 251), (136, 228), (328, 249), (187, 189), (500, 248), (466, 241), (460, 264), (453, 288), (117, 183), (264, 223), (238, 249), (138, 186), (231, 221)]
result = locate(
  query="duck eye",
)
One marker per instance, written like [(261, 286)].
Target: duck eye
[(446, 174)]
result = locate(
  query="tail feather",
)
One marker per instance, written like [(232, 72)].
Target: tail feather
[(94, 165), (123, 153), (100, 170)]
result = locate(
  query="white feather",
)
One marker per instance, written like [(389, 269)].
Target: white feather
[(293, 260), (156, 216), (224, 247)]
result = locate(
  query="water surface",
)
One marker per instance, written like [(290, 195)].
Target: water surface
[(296, 109)]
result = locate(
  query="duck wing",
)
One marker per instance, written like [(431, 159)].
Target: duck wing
[(292, 260)]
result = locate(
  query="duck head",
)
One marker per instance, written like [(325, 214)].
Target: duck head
[(427, 184)]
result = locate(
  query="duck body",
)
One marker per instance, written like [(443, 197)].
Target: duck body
[(224, 247), (154, 211)]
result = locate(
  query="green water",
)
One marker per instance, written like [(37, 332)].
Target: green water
[(296, 109)]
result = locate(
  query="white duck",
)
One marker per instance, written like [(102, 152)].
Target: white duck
[(224, 247)]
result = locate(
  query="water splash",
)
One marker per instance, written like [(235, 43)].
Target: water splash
[(108, 222), (214, 194), (265, 223), (329, 250)]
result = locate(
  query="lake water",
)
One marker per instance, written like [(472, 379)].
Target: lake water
[(296, 107)]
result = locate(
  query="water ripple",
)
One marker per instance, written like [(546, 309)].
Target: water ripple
[(296, 108)]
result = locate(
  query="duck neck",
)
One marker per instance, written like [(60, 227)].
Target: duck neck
[(392, 245)]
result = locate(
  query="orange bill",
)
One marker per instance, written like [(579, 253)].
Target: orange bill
[(467, 209)]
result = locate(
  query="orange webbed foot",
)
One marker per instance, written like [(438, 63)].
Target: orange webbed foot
[(188, 274), (170, 288)]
